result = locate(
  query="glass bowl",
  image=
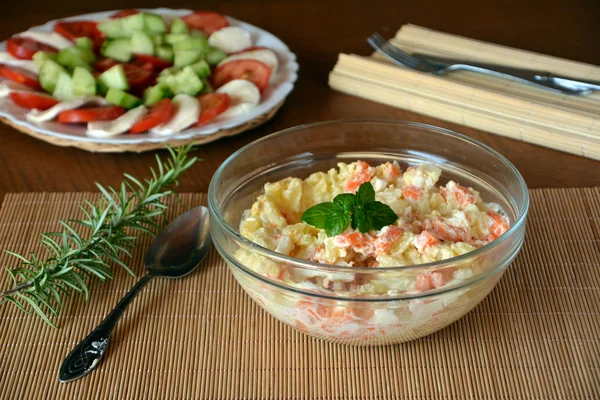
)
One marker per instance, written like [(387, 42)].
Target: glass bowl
[(337, 313)]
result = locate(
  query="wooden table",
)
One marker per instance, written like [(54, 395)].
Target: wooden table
[(317, 30)]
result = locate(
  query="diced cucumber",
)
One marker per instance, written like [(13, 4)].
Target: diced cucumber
[(207, 86), (197, 44), (165, 52), (72, 57), (197, 33), (114, 78), (141, 43), (113, 28), (178, 26), (132, 23), (201, 68), (185, 57), (84, 43), (118, 49), (84, 82), (121, 98), (64, 88), (175, 37), (49, 74), (185, 82), (155, 93), (215, 56), (41, 56), (158, 40), (154, 23)]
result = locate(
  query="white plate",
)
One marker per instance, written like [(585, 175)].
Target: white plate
[(276, 92)]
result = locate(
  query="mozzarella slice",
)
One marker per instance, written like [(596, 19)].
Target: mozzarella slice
[(51, 113), (244, 97), (7, 59), (187, 111), (116, 126), (7, 87), (50, 38), (230, 39)]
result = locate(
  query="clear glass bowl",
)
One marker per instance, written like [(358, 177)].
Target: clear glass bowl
[(343, 315)]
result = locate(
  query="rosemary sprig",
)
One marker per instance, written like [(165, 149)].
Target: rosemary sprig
[(101, 239)]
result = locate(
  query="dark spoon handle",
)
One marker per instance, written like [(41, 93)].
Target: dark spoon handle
[(88, 353)]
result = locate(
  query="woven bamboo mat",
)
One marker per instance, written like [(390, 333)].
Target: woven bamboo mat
[(537, 335)]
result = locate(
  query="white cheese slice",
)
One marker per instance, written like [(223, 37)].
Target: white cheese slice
[(76, 102), (230, 39), (116, 126), (9, 60), (187, 111), (244, 97), (268, 57), (50, 38), (7, 87)]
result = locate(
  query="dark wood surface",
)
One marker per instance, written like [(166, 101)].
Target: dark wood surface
[(317, 30)]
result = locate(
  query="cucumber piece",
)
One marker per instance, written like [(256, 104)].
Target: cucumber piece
[(185, 57), (132, 23), (178, 26), (41, 56), (215, 56), (141, 43), (50, 72), (158, 40), (197, 33), (84, 43), (155, 93), (165, 52), (72, 57), (154, 23), (114, 78), (201, 68), (121, 98), (84, 82), (184, 82), (196, 44), (118, 49), (113, 28), (64, 88), (207, 86), (175, 37)]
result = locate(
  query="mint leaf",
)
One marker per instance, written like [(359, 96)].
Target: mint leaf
[(365, 194), (363, 223), (346, 200), (380, 214), (337, 223), (318, 215)]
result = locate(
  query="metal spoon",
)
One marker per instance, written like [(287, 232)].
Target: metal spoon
[(175, 252)]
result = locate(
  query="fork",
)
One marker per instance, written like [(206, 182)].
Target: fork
[(546, 81)]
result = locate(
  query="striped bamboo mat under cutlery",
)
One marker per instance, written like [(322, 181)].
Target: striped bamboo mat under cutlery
[(563, 122)]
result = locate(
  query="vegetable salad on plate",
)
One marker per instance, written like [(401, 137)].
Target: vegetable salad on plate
[(366, 216), (137, 72)]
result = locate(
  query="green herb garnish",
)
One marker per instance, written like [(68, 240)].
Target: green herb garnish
[(90, 247), (360, 210)]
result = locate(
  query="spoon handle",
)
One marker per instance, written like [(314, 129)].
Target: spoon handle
[(88, 353)]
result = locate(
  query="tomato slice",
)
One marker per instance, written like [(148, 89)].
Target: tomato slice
[(20, 75), (105, 64), (158, 64), (138, 76), (76, 29), (251, 70), (206, 21), (91, 114), (160, 113), (24, 48), (124, 13), (32, 100), (211, 105)]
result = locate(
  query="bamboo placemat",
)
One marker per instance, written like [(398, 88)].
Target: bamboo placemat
[(563, 122), (535, 336)]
